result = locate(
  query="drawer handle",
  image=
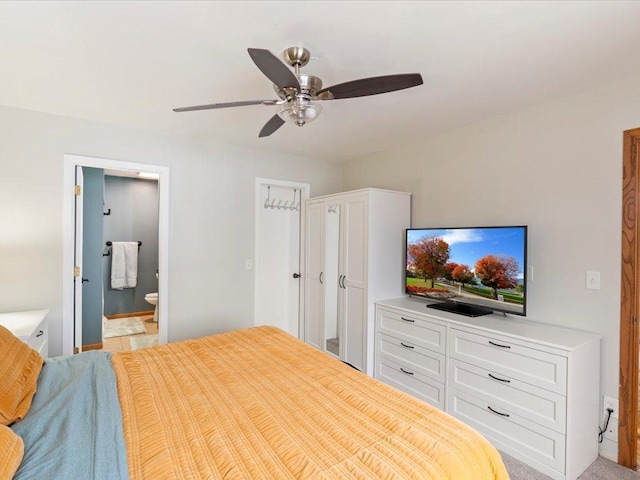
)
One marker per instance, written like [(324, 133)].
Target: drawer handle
[(406, 346), (40, 333), (500, 379), (408, 320), (499, 413), (498, 345), (405, 371)]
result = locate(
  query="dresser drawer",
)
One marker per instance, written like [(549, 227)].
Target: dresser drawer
[(537, 404), (427, 334), (410, 382), (38, 340), (29, 326), (504, 356), (411, 356), (512, 433)]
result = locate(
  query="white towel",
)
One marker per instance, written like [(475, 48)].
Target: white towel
[(124, 265)]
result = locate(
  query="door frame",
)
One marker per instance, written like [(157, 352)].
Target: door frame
[(629, 301), (305, 190), (68, 241)]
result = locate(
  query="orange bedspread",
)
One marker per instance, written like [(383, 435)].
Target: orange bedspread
[(258, 403)]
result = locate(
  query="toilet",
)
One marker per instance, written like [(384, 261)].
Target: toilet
[(152, 298)]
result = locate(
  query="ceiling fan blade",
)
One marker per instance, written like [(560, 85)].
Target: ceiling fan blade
[(274, 69), (271, 126), (223, 105), (370, 86)]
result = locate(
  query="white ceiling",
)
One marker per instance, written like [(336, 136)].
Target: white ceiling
[(132, 62)]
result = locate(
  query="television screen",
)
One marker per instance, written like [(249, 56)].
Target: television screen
[(472, 271)]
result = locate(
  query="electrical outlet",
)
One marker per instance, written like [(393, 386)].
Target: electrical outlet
[(611, 433), (610, 402), (592, 280)]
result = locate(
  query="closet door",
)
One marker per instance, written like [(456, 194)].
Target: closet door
[(333, 331), (314, 272), (354, 293)]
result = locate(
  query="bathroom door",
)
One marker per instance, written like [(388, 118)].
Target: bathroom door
[(77, 274), (92, 259), (87, 309), (277, 254)]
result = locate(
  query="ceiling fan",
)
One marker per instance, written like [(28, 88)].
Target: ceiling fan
[(299, 93)]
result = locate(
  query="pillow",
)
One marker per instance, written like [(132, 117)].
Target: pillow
[(12, 447), (20, 366)]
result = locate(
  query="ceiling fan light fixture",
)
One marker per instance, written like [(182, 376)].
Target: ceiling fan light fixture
[(300, 111)]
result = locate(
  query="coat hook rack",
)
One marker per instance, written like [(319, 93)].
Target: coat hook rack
[(271, 203), (108, 212), (266, 202)]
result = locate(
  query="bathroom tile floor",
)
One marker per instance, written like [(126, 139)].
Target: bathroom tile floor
[(119, 344)]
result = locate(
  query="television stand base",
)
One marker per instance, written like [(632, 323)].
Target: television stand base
[(467, 310)]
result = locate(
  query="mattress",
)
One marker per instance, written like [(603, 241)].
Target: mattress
[(258, 403)]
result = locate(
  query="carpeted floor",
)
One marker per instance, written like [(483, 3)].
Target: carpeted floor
[(601, 469), (120, 327)]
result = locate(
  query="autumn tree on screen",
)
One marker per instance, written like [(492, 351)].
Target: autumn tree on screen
[(428, 256), (462, 274), (497, 272), (448, 270)]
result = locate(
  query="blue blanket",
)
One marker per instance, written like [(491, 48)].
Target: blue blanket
[(74, 427)]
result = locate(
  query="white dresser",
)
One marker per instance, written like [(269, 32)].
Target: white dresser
[(31, 327), (530, 388)]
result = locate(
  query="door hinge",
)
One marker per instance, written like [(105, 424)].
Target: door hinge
[(78, 190), (76, 271), (76, 350)]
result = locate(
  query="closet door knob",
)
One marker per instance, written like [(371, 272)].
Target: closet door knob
[(85, 280)]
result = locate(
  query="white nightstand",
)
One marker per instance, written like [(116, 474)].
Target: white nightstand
[(31, 327)]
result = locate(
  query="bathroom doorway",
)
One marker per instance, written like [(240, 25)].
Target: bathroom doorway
[(130, 215), (73, 246), (278, 211)]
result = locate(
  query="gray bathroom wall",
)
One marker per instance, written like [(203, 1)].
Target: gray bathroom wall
[(134, 217), (92, 196)]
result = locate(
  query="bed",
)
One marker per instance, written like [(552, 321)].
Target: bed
[(254, 403)]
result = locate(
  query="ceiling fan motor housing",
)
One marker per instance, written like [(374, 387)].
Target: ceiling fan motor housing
[(309, 87)]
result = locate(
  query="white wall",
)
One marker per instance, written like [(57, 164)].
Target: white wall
[(211, 224), (557, 167)]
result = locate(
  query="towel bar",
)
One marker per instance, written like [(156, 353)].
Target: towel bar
[(109, 243)]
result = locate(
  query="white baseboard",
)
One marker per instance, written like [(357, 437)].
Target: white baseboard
[(609, 450)]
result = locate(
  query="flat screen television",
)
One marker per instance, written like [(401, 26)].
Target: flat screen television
[(470, 271)]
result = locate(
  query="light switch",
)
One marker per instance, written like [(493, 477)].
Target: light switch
[(592, 280)]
